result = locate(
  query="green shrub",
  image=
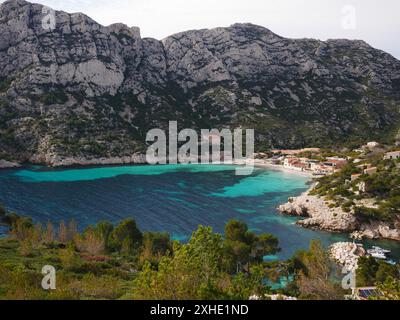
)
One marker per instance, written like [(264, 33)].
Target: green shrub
[(126, 236), (53, 97), (367, 214), (5, 84)]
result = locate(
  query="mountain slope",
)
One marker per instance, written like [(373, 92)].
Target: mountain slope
[(88, 90)]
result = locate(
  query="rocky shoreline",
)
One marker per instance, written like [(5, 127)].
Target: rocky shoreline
[(347, 254), (58, 161), (317, 212), (319, 215), (4, 164)]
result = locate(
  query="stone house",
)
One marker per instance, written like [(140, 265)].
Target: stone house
[(392, 155)]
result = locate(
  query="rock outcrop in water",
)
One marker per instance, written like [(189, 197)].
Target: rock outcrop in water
[(377, 230), (318, 214), (347, 254), (89, 91), (7, 164)]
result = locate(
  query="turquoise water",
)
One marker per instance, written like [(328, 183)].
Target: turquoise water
[(172, 198)]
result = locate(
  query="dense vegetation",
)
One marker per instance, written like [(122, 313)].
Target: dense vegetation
[(371, 272), (121, 262), (117, 262), (378, 200), (385, 276)]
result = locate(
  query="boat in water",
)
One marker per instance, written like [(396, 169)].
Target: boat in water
[(382, 250), (378, 253)]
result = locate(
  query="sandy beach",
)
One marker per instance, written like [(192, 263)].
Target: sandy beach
[(282, 168)]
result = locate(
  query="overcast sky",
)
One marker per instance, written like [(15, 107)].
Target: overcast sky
[(376, 21)]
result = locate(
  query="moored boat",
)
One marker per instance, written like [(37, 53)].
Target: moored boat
[(378, 253)]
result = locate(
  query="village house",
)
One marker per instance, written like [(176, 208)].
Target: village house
[(392, 155), (289, 161), (300, 166), (369, 146), (297, 164), (334, 165), (323, 169), (362, 166), (305, 164), (315, 165), (336, 162), (371, 170), (372, 144), (354, 177)]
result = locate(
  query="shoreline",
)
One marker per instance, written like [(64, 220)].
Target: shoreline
[(316, 214), (137, 159), (4, 164), (313, 210), (284, 169)]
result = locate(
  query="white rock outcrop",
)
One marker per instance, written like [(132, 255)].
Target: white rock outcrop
[(347, 254), (57, 161), (318, 214), (377, 230), (4, 164)]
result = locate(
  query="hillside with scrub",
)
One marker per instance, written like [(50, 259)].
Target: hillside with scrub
[(369, 187), (121, 262)]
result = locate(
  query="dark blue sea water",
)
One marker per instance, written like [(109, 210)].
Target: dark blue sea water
[(172, 198)]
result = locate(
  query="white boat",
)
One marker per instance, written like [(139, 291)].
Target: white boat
[(381, 250), (378, 253)]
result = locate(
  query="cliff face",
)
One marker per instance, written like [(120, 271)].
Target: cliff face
[(87, 90)]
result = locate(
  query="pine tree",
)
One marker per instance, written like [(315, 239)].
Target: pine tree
[(63, 236), (49, 235)]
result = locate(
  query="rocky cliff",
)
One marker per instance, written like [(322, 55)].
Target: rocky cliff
[(87, 90), (320, 214)]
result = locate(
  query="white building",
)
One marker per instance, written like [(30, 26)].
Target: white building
[(373, 144), (392, 155)]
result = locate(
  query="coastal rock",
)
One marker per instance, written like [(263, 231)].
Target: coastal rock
[(319, 214), (56, 161), (347, 254), (294, 208), (377, 230), (8, 164)]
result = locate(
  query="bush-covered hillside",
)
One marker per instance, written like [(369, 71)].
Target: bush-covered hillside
[(371, 195)]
